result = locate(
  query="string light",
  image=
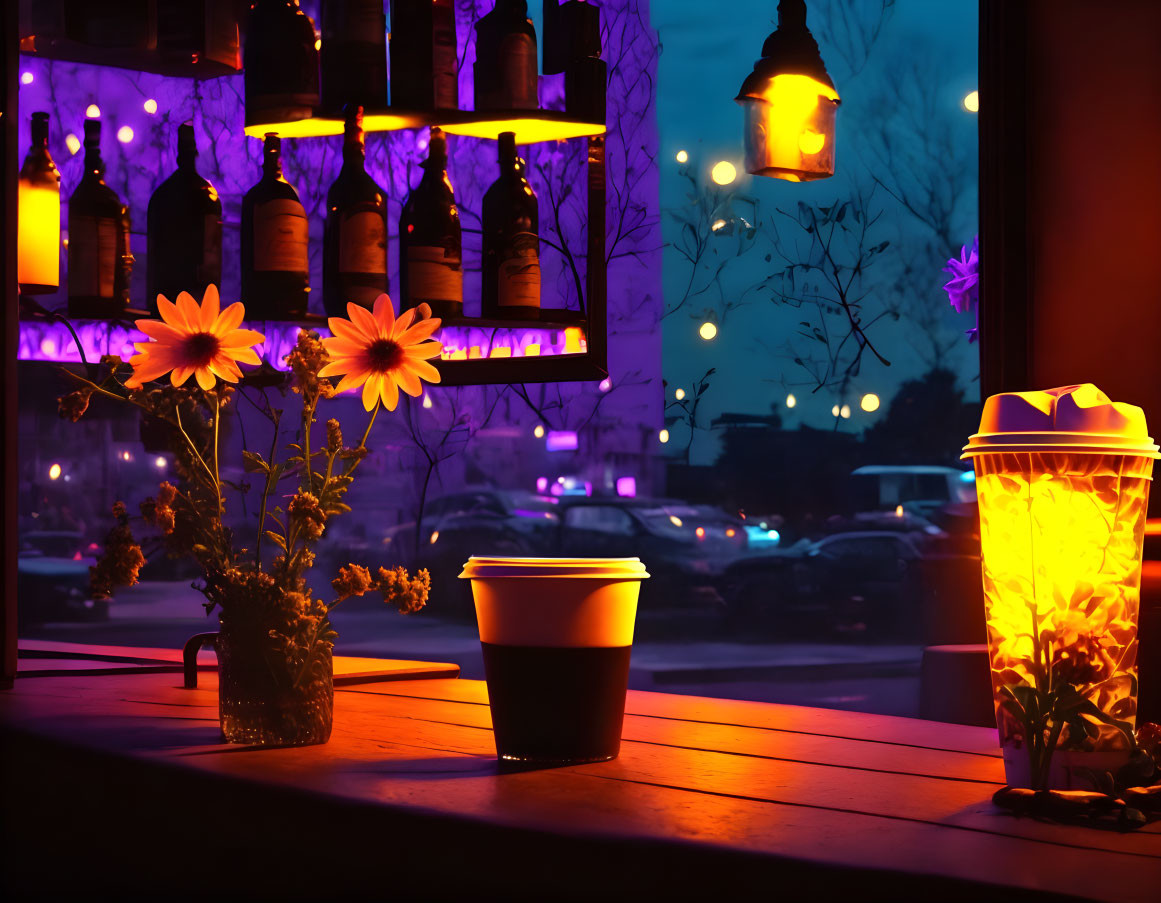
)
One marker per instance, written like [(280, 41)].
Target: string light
[(869, 402), (971, 102), (845, 412), (679, 393), (125, 134), (663, 436), (834, 412), (708, 331), (92, 111), (605, 384), (791, 401), (682, 157), (26, 78), (159, 462), (427, 402), (538, 431), (54, 472), (723, 172), (150, 106), (72, 142)]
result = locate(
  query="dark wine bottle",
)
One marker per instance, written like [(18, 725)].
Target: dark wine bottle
[(506, 71), (275, 267), (184, 226), (355, 234), (354, 54), (430, 249), (99, 259), (281, 63), (511, 266), (38, 231), (424, 58)]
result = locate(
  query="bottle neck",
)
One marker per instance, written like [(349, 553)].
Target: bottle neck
[(94, 165), (187, 150)]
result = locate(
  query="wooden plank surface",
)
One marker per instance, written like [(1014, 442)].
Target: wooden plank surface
[(830, 789)]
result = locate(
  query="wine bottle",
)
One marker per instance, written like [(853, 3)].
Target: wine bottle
[(99, 259), (184, 226), (355, 233), (511, 266), (505, 71), (275, 267), (38, 230), (424, 58), (281, 63), (354, 54), (430, 249)]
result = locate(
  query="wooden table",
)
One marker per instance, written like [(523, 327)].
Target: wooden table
[(120, 783)]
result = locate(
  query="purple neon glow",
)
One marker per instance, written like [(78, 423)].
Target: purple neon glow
[(963, 289), (561, 440), (53, 342), (627, 487), (542, 484)]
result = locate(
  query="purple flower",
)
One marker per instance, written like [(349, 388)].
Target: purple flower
[(963, 289)]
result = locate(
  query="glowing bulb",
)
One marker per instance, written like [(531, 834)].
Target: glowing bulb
[(869, 402), (718, 225), (434, 537), (54, 472), (72, 142), (318, 43), (159, 462), (834, 412), (845, 412), (679, 393), (92, 111), (663, 436), (723, 172), (427, 401), (971, 102), (731, 533), (791, 401), (26, 78), (150, 106), (605, 384), (708, 331), (811, 142), (682, 157), (124, 134), (898, 510), (700, 531), (125, 456), (675, 520), (538, 431)]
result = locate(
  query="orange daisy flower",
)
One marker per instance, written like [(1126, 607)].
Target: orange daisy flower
[(381, 353), (191, 340)]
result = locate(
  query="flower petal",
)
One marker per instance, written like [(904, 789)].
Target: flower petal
[(419, 332), (422, 369), (384, 312), (423, 352), (351, 381), (408, 381), (402, 324), (189, 309), (244, 355), (160, 331), (389, 392), (211, 307), (347, 330), (171, 314), (339, 367), (205, 378), (229, 320), (243, 338), (181, 374), (364, 320), (371, 392)]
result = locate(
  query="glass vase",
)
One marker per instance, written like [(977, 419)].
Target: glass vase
[(264, 701)]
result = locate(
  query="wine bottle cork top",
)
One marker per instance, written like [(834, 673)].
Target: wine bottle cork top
[(1067, 419)]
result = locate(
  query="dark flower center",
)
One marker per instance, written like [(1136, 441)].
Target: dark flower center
[(384, 355), (201, 347)]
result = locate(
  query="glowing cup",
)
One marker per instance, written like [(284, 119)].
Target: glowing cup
[(556, 635), (1063, 483)]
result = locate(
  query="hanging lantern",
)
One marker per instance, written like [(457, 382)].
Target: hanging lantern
[(1063, 483), (38, 226), (790, 104)]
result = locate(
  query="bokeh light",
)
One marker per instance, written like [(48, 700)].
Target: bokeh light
[(54, 472), (845, 412), (125, 134), (679, 393), (150, 106), (869, 402), (663, 436), (791, 401), (682, 157), (26, 78), (72, 142), (723, 172), (92, 111), (971, 102), (708, 330), (538, 431)]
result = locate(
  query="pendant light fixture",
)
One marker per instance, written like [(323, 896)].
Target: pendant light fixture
[(790, 104)]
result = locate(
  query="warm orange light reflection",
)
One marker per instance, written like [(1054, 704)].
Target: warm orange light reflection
[(528, 130), (532, 350), (38, 235), (500, 351), (314, 127)]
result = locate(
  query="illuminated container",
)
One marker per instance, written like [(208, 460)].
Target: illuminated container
[(1063, 483), (38, 221), (790, 104)]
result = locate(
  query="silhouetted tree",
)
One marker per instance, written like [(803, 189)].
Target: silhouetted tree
[(927, 422)]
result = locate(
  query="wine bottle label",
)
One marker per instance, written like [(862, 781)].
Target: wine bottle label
[(434, 274), (518, 65), (363, 244), (280, 237), (92, 256), (519, 276)]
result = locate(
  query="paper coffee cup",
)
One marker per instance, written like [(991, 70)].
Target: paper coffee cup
[(557, 634)]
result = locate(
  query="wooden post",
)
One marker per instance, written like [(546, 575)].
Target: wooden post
[(9, 153)]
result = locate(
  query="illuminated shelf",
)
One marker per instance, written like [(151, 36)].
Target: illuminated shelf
[(530, 126), (136, 59)]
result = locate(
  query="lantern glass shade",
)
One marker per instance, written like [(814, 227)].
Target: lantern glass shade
[(1062, 527), (790, 128)]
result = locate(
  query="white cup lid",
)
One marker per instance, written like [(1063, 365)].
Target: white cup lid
[(478, 567)]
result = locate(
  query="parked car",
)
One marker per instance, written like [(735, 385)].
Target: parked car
[(52, 578), (858, 581), (920, 489), (685, 547)]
